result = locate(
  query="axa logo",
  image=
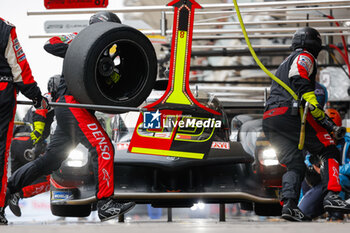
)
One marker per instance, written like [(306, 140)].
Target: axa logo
[(151, 120)]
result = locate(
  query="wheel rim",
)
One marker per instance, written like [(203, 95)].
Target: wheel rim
[(127, 76)]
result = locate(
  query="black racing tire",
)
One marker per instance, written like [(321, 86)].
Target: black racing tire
[(71, 210), (267, 209), (90, 60)]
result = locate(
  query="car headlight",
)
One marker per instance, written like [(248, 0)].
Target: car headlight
[(198, 206), (77, 158), (268, 157)]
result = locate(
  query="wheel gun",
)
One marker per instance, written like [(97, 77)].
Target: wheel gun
[(330, 126), (31, 154)]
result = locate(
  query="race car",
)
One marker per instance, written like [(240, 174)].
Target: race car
[(176, 151), (241, 170)]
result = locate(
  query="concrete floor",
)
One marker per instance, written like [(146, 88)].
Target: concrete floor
[(37, 218), (240, 225)]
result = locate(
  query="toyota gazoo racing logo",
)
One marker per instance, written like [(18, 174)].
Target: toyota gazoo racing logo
[(157, 120)]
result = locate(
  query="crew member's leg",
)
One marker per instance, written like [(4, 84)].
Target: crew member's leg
[(283, 134), (91, 134), (23, 179), (95, 139), (319, 142), (57, 152), (311, 203), (20, 143), (7, 113), (61, 142)]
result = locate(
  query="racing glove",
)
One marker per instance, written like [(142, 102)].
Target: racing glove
[(315, 108), (37, 133), (41, 103), (307, 161), (39, 117)]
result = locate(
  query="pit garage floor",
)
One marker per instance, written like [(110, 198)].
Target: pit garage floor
[(37, 218), (183, 226)]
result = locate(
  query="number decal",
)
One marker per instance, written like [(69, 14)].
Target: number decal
[(182, 34)]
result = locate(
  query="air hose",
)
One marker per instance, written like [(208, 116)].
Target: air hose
[(343, 56), (337, 62), (346, 56), (272, 76)]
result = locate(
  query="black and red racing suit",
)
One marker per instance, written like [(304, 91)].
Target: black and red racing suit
[(282, 127), (15, 75), (74, 126)]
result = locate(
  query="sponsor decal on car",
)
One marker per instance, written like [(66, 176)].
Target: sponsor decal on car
[(181, 136), (123, 146), (61, 195), (221, 145), (162, 135)]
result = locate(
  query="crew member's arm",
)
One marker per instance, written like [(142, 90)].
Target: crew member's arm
[(58, 45), (48, 122), (299, 73), (345, 169), (344, 175), (22, 74)]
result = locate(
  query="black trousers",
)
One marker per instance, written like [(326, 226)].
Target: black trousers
[(74, 126), (7, 112), (283, 131)]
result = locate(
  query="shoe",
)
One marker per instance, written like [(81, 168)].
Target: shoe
[(291, 212), (335, 217), (109, 208), (332, 202), (13, 204), (3, 220)]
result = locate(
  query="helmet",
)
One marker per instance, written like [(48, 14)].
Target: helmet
[(104, 16), (334, 115), (53, 84), (307, 38)]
